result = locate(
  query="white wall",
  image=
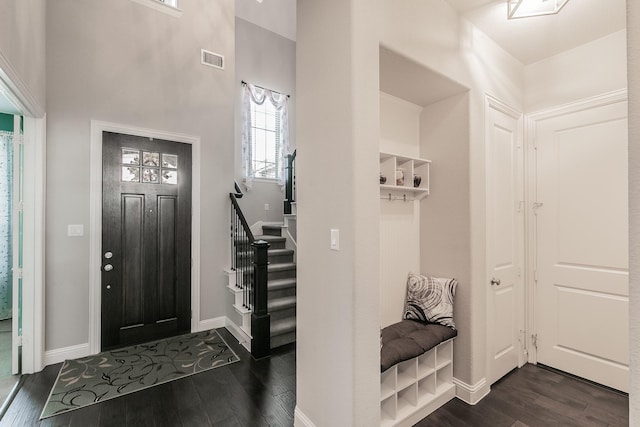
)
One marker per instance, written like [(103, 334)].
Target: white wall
[(633, 26), (122, 62), (399, 126), (399, 221), (430, 32), (278, 16), (268, 60), (445, 228), (338, 291), (22, 43), (588, 70)]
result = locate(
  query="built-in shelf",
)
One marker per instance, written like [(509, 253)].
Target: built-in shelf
[(411, 390), (406, 178)]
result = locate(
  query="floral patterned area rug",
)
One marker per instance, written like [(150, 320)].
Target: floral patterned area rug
[(111, 374)]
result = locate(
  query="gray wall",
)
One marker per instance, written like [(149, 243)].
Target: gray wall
[(121, 62), (268, 60), (445, 231), (633, 43), (22, 42)]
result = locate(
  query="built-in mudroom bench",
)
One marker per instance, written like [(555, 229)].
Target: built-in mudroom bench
[(416, 363)]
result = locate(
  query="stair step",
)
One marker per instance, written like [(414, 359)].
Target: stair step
[(283, 326), (276, 242), (282, 287), (281, 271), (281, 303), (280, 255), (279, 284), (277, 252), (283, 266), (272, 229)]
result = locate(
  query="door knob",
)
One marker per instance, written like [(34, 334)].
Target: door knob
[(108, 267), (108, 255), (495, 281)]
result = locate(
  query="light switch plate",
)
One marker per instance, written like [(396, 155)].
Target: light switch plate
[(335, 239)]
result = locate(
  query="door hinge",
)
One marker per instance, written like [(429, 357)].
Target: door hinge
[(537, 206), (519, 272), (19, 206), (18, 272), (19, 343), (535, 275), (534, 340)]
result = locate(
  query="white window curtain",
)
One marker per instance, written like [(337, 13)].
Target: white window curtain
[(280, 102)]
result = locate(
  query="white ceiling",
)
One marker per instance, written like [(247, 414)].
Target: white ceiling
[(532, 39), (527, 39)]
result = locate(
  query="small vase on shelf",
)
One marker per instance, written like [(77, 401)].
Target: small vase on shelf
[(417, 179), (383, 179)]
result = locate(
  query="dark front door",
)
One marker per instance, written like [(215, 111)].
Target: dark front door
[(146, 239)]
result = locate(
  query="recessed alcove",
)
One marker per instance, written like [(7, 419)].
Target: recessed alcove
[(424, 117)]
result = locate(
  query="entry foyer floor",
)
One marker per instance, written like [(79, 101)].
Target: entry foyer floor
[(262, 393)]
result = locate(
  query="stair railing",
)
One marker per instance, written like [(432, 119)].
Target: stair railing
[(249, 260), (290, 182)]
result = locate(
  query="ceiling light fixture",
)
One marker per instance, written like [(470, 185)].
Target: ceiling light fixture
[(527, 8)]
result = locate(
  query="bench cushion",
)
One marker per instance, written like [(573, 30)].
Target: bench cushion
[(408, 339)]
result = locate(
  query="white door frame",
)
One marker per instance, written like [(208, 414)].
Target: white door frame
[(95, 235), (531, 121), (33, 270)]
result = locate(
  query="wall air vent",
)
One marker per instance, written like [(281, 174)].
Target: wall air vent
[(212, 59)]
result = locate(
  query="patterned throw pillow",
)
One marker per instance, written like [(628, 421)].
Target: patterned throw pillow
[(430, 299)]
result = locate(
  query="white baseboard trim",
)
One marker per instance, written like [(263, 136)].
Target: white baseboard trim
[(300, 419), (236, 331), (51, 357), (215, 323), (471, 394)]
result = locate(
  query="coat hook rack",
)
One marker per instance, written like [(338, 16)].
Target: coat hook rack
[(391, 198)]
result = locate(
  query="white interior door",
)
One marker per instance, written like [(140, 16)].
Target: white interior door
[(505, 238), (582, 244)]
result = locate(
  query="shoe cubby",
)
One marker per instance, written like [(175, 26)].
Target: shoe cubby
[(411, 390)]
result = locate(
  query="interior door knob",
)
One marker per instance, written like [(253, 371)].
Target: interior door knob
[(495, 282), (108, 255), (108, 267)]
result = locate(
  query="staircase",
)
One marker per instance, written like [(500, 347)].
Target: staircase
[(281, 285), (263, 279)]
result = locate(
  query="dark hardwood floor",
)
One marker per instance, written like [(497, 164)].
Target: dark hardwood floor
[(536, 397), (253, 393), (245, 393)]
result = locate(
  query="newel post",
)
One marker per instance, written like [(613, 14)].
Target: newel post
[(288, 189), (260, 318)]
